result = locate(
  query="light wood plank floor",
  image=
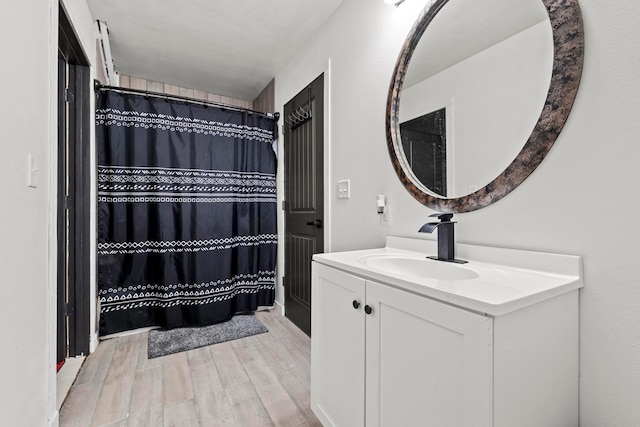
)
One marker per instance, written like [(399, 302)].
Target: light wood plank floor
[(262, 380)]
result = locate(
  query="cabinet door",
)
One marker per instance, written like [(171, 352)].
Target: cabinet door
[(428, 363), (337, 347)]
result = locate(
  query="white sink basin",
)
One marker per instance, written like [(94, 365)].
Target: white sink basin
[(496, 281), (418, 267)]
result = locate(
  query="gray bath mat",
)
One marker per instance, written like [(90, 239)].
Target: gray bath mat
[(162, 342)]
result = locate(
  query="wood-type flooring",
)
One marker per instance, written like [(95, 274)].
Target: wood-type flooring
[(262, 380)]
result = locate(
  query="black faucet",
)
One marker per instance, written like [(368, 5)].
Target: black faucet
[(446, 242)]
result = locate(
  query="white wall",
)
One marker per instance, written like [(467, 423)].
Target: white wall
[(24, 219), (581, 200), (28, 47), (492, 105)]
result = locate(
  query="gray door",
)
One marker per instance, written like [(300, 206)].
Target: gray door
[(304, 204)]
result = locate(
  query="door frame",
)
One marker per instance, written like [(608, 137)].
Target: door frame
[(77, 254)]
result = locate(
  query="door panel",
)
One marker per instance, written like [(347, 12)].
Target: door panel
[(426, 361), (78, 208), (304, 207), (303, 247), (62, 226), (337, 349)]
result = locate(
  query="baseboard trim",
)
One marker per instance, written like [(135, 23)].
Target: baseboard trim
[(278, 306), (55, 420), (93, 343)]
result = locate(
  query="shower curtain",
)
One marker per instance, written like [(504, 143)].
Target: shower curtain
[(186, 212)]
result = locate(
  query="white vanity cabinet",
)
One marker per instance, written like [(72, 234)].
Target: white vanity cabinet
[(385, 356), (410, 362)]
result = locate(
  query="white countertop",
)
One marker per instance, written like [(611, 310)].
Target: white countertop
[(507, 279)]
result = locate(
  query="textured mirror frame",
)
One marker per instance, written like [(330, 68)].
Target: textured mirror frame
[(568, 44)]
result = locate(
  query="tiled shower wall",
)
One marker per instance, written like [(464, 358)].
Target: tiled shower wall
[(131, 82)]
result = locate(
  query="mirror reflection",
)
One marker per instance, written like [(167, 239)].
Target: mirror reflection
[(474, 89)]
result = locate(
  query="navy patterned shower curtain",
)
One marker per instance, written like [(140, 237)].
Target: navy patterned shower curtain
[(186, 212)]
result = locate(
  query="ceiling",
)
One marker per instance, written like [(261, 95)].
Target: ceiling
[(227, 47)]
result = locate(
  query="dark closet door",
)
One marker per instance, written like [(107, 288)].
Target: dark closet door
[(304, 198)]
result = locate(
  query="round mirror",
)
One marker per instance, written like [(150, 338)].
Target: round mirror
[(479, 94)]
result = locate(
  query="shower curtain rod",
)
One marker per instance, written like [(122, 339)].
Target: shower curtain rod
[(99, 86)]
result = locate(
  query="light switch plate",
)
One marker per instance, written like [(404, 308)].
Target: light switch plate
[(32, 171), (344, 189)]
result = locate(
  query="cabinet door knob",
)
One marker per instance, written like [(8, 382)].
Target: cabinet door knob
[(368, 309), (356, 304)]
